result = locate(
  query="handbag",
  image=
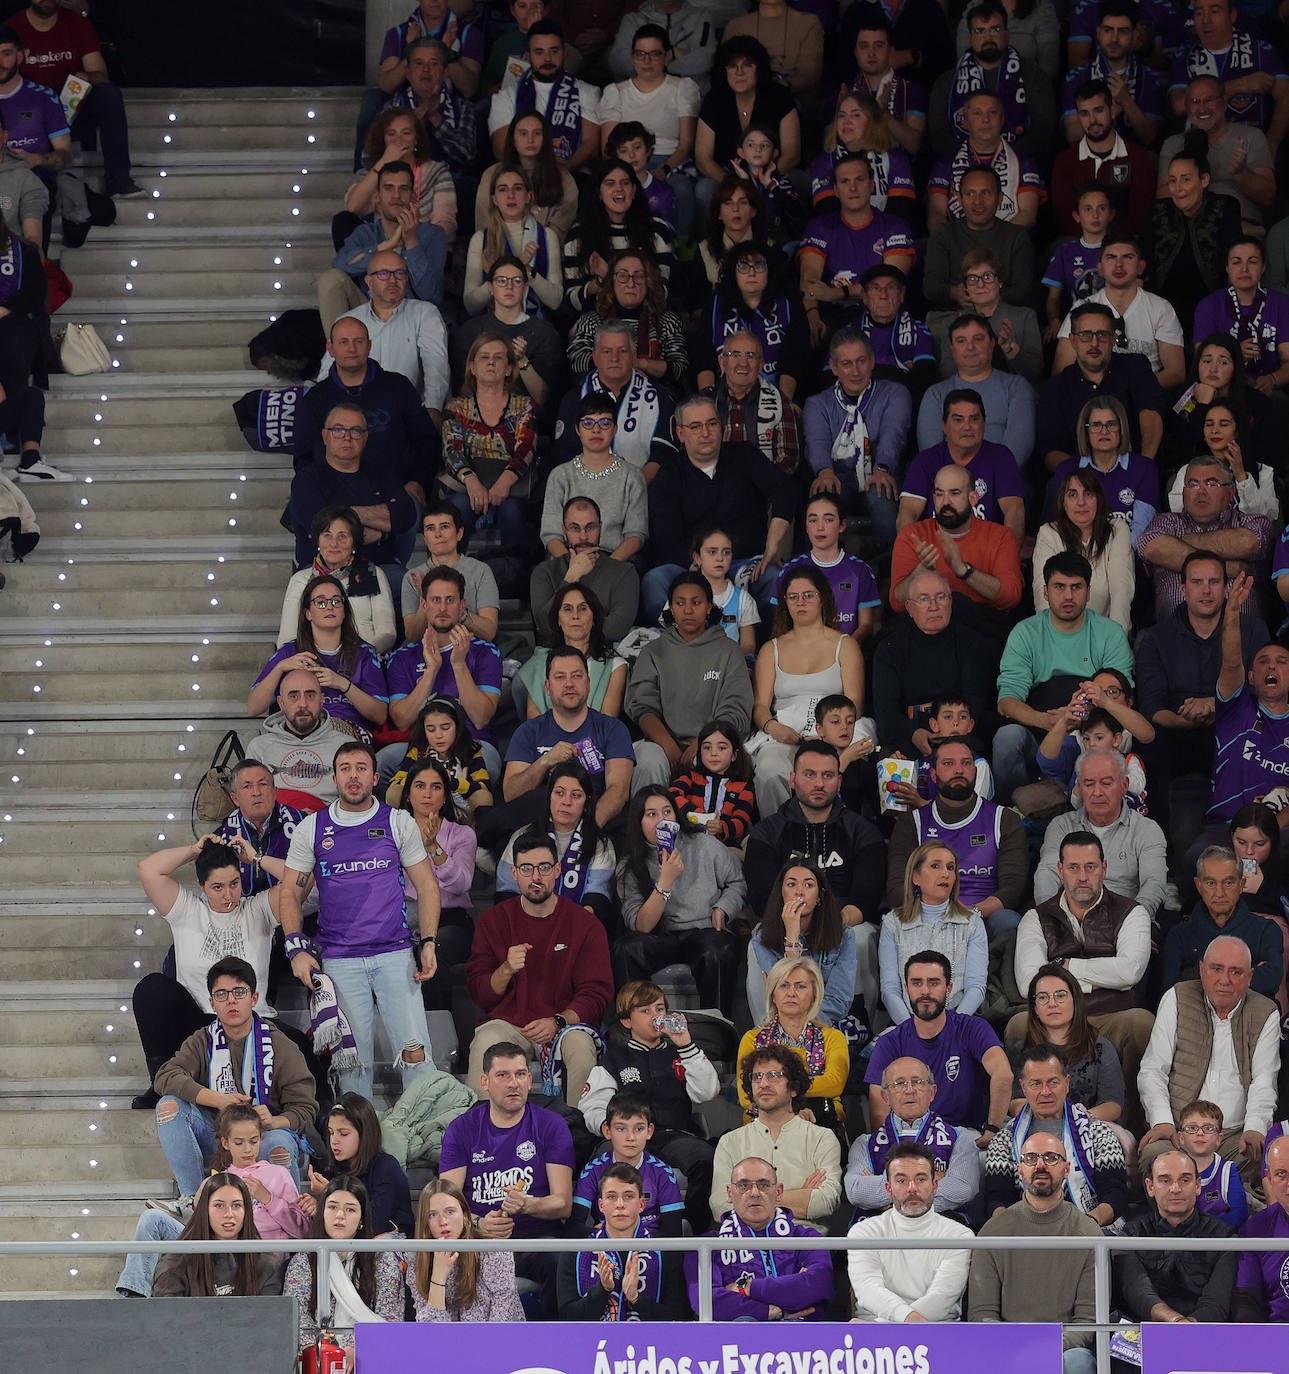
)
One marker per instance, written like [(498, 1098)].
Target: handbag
[(212, 802), (81, 351)]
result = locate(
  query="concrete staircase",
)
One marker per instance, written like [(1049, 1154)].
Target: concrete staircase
[(132, 636)]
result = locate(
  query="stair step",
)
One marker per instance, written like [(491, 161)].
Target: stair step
[(65, 1162), (75, 1061), (254, 106), (172, 209), (306, 138), (206, 494), (71, 1129), (150, 284), (83, 576), (261, 520), (50, 964), (146, 258)]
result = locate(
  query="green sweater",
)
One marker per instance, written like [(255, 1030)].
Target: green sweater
[(1037, 651)]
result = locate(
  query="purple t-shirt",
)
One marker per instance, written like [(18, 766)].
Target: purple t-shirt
[(461, 40), (661, 1191), (407, 667), (892, 175), (367, 676), (1136, 479), (854, 587), (849, 252), (34, 117), (1244, 57), (606, 735), (1252, 754), (953, 1057), (1267, 1271), (1266, 320), (1076, 268), (993, 475), (496, 1158)]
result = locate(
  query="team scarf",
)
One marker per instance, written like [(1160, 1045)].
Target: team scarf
[(573, 869), (1099, 70), (618, 1309), (935, 1133), (10, 268), (448, 33), (257, 1061), (639, 410), (811, 1041), (852, 448), (780, 1226), (969, 76), (356, 576), (768, 406), (768, 323), (1077, 1136), (902, 337), (1004, 161), (563, 111), (1241, 58), (714, 794), (552, 1058), (1242, 322), (532, 232)]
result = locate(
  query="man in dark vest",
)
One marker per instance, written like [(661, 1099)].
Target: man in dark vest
[(1100, 937), (1219, 1040), (908, 1087)]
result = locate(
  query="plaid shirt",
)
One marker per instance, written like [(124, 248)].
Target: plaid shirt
[(783, 444)]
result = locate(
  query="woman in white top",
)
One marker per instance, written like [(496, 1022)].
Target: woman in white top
[(1083, 524), (337, 532), (511, 227), (808, 658), (1227, 438)]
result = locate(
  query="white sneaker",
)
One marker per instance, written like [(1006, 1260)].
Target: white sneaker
[(41, 471), (179, 1208)]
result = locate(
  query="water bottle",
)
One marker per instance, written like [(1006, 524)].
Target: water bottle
[(671, 1023)]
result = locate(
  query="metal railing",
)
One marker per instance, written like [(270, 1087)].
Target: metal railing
[(1102, 1247)]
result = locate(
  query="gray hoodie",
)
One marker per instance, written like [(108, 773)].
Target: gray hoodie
[(688, 684), (299, 763)]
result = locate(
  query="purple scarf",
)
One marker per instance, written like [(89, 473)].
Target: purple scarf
[(588, 1274), (563, 113), (10, 269), (257, 1061), (574, 870), (769, 323), (969, 76)]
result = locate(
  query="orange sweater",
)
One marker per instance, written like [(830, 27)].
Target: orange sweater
[(986, 545)]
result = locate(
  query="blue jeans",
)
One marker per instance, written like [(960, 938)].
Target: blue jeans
[(654, 584), (511, 518), (139, 1269), (188, 1139), (1015, 750), (1080, 1360), (881, 510), (1001, 923), (386, 981)]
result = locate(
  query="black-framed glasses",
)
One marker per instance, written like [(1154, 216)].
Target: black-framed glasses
[(345, 431), (326, 603), (238, 994)]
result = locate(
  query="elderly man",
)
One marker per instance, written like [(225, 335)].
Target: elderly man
[(1262, 1277), (1240, 161), (908, 1091), (752, 410), (263, 820), (1218, 1040), (908, 1285), (855, 433), (1097, 1181), (1180, 1284), (928, 652), (1047, 659), (903, 349), (1053, 1285), (1021, 189), (977, 226), (297, 743), (448, 117), (644, 410)]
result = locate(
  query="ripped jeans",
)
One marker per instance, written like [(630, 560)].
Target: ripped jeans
[(187, 1136), (384, 983)]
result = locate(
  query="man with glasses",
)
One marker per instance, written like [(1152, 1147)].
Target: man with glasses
[(908, 1094), (1262, 1278), (1241, 164), (1051, 1285), (753, 410), (903, 350), (1210, 521), (539, 971), (806, 1157)]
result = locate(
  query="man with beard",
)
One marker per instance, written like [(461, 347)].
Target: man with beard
[(908, 1285), (33, 116), (1097, 152), (989, 840), (539, 970), (614, 581), (964, 1055), (980, 560), (1133, 99), (298, 742), (1046, 660), (1054, 1285), (571, 107)]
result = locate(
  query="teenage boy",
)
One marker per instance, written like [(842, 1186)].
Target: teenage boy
[(713, 555), (854, 587), (442, 528), (628, 1127), (673, 1076), (1221, 1190)]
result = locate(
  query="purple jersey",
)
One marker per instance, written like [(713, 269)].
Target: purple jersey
[(407, 667), (367, 675), (461, 40), (499, 1157), (661, 1191), (849, 251), (1266, 321), (362, 910), (1221, 1193), (854, 587), (974, 839), (34, 117), (1075, 268), (901, 343), (1267, 1271), (1252, 753), (662, 199), (953, 1056), (994, 476), (892, 176), (1246, 56), (1135, 478)]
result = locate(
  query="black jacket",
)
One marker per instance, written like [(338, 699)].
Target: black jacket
[(1197, 1283)]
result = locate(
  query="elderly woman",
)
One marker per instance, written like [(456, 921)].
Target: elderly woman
[(1129, 478)]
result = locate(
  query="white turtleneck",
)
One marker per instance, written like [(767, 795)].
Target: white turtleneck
[(889, 1284)]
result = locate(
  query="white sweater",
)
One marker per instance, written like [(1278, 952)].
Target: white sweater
[(889, 1284)]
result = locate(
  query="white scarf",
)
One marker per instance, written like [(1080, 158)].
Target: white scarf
[(1004, 161), (639, 410), (852, 447), (347, 1308), (769, 412)]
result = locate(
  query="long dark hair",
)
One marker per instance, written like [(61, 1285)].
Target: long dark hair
[(573, 770), (461, 754), (597, 645), (361, 1115), (1243, 435), (638, 850), (440, 771), (199, 1270), (761, 226), (826, 926), (350, 640), (806, 572), (547, 184), (595, 230), (1102, 522), (364, 1275), (745, 46), (740, 769), (1082, 1043), (1238, 388)]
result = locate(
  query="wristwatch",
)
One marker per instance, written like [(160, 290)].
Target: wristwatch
[(560, 1023), (967, 573), (990, 1127)]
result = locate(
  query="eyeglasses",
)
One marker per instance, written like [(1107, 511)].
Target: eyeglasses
[(740, 354), (603, 422), (697, 426), (749, 265), (509, 281), (1102, 426), (753, 1185), (648, 54), (931, 599), (527, 870), (345, 431), (794, 597), (980, 30), (326, 603), (1041, 999), (239, 994), (1200, 1130), (980, 278), (389, 274), (1112, 691), (630, 278), (903, 1085), (1087, 335), (1048, 1157), (1208, 484), (767, 1075)]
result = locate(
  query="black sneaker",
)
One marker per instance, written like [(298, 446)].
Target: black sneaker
[(125, 190), (145, 1102)]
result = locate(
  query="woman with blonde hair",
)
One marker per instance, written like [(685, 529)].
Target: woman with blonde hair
[(932, 916), (511, 227), (1131, 480), (861, 127), (794, 993), (465, 1286)]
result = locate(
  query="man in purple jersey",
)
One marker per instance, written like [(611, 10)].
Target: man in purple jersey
[(33, 116), (358, 849), (1021, 189), (433, 19), (1262, 1276), (962, 1052)]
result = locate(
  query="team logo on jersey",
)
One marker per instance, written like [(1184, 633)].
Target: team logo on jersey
[(1126, 496), (328, 842), (952, 1067), (979, 839), (376, 832), (526, 1150), (1119, 171)]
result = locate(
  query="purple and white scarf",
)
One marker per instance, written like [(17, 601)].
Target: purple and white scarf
[(852, 448), (10, 268), (329, 1027), (257, 1061), (1004, 161), (969, 76), (563, 111), (588, 1274)]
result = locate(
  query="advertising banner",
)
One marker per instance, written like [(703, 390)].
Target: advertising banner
[(1199, 1348)]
